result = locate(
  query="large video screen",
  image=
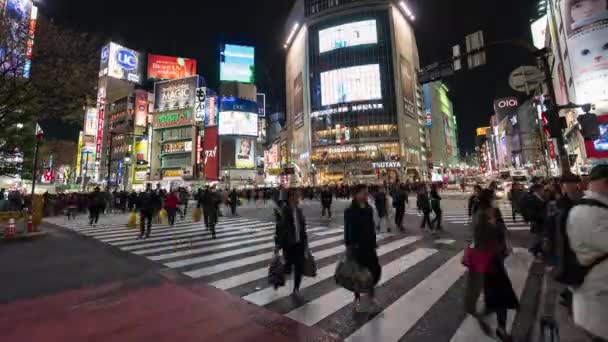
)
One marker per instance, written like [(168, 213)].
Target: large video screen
[(351, 34), (358, 83), (601, 144), (244, 151), (238, 123), (238, 64)]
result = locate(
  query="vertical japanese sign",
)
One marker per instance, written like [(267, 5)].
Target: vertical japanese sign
[(200, 104)]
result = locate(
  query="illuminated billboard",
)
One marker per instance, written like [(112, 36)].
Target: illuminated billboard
[(90, 121), (121, 63), (244, 153), (539, 32), (175, 94), (347, 35), (357, 83), (170, 68), (238, 123), (237, 64)]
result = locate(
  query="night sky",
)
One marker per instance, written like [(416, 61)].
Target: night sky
[(195, 29)]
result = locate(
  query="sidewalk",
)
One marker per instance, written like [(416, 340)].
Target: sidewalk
[(68, 288)]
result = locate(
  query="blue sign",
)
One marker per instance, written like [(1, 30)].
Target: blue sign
[(126, 59), (234, 104), (105, 53), (429, 118)]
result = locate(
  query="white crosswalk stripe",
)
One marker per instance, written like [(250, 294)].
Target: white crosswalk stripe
[(237, 261), (461, 216)]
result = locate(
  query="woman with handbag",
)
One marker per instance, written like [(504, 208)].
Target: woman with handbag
[(360, 238), (487, 272), (292, 238)]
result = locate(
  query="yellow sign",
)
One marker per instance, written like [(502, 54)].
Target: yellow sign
[(275, 172), (482, 131), (172, 173)]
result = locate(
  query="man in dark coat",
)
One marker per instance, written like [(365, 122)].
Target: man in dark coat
[(360, 236), (326, 199), (209, 201), (147, 203)]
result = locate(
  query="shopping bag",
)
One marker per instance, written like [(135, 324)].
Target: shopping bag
[(352, 276), (276, 272), (196, 215), (162, 215), (477, 259), (132, 220), (309, 268)]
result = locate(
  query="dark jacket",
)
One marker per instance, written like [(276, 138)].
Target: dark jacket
[(359, 227), (326, 198), (485, 233), (380, 202), (285, 234), (422, 202), (148, 202), (435, 202), (472, 205)]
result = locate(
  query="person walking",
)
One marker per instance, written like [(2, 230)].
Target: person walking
[(587, 228), (381, 209), (424, 206), (96, 206), (436, 207), (515, 196), (291, 237), (490, 239), (209, 201), (533, 209), (184, 198), (132, 200), (171, 202), (233, 201), (326, 199), (399, 200), (147, 203), (474, 201), (360, 239)]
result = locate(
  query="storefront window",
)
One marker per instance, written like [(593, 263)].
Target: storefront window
[(177, 133), (176, 161), (355, 153)]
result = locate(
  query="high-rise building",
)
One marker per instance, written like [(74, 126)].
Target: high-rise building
[(442, 126), (354, 104)]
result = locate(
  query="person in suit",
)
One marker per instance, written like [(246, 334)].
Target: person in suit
[(291, 236)]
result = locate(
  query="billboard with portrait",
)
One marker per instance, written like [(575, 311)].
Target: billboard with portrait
[(170, 68), (237, 63), (586, 23), (175, 94), (121, 63), (347, 35), (238, 123), (357, 83), (244, 153)]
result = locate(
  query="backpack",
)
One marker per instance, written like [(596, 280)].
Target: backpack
[(528, 207), (569, 270)]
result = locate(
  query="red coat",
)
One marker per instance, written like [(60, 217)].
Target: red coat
[(171, 201)]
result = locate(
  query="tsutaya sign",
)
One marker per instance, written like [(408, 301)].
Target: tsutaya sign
[(386, 165)]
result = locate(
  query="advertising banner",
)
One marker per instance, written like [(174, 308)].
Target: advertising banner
[(238, 123), (201, 104), (237, 64), (244, 156), (170, 68), (228, 104), (261, 99), (121, 63), (586, 24), (90, 121), (408, 87), (141, 150), (357, 83), (175, 94), (539, 32), (210, 162), (172, 119), (177, 147), (298, 102), (141, 108), (347, 35), (505, 106), (211, 111)]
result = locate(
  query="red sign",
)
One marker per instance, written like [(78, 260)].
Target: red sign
[(210, 164), (101, 105), (170, 68), (141, 108), (551, 150)]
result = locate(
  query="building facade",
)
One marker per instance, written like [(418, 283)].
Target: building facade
[(354, 105), (442, 126)]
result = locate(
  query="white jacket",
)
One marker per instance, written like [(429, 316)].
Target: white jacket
[(588, 235)]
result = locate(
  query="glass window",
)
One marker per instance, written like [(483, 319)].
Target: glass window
[(177, 133)]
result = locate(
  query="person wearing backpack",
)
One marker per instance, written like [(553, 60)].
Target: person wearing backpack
[(587, 235)]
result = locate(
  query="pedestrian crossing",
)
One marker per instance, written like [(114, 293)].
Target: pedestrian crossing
[(461, 216), (421, 275)]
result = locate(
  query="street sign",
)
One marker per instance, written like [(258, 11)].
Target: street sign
[(474, 43), (526, 79)]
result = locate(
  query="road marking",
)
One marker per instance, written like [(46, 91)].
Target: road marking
[(320, 308), (225, 266), (269, 295), (397, 319)]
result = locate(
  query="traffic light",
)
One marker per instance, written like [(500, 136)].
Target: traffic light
[(590, 128)]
